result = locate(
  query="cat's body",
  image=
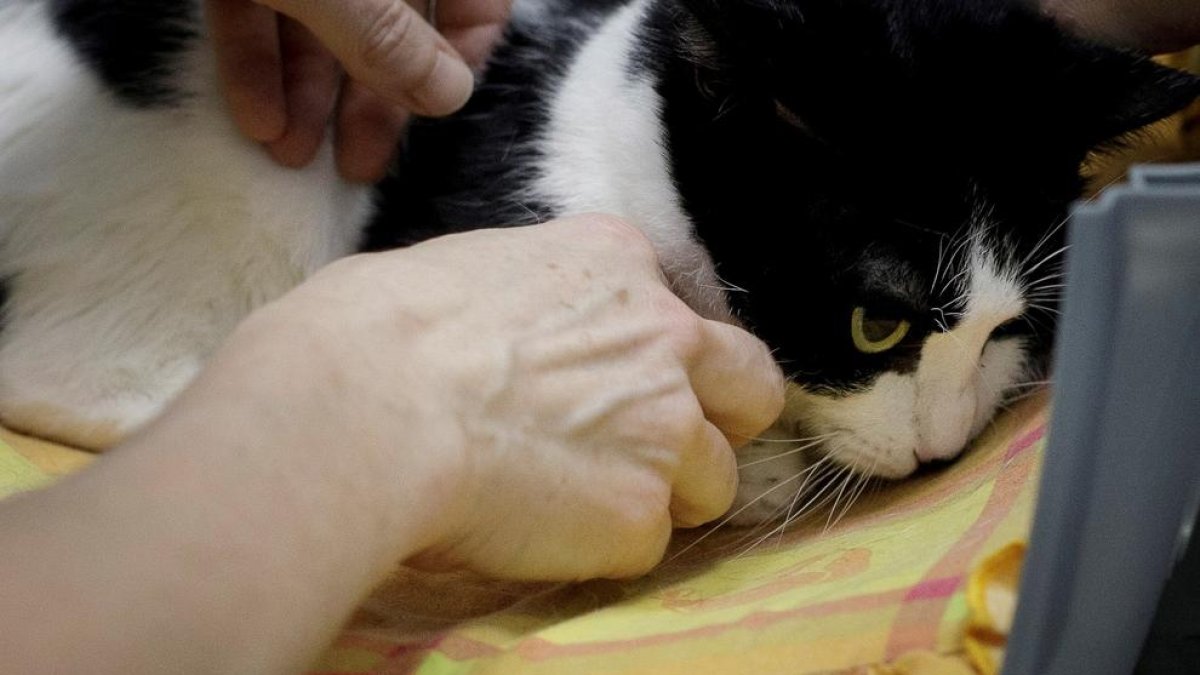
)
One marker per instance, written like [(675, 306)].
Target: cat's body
[(136, 227), (873, 187)]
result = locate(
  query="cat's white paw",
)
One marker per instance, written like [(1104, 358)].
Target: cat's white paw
[(771, 472), (81, 428), (94, 408)]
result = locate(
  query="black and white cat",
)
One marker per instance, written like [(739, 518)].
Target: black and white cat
[(874, 187)]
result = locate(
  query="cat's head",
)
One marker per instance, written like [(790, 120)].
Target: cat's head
[(881, 184)]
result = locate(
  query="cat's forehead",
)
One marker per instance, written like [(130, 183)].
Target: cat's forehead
[(975, 262)]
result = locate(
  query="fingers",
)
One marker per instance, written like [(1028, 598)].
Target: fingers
[(387, 46), (737, 381), (473, 26), (311, 78), (706, 482), (368, 131), (281, 76), (245, 39)]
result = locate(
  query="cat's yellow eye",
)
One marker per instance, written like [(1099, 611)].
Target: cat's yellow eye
[(872, 335)]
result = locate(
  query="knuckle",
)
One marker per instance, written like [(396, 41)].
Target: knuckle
[(685, 327), (681, 424), (648, 543), (388, 36), (622, 234)]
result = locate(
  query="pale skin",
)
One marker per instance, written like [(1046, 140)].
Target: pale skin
[(293, 68), (529, 403)]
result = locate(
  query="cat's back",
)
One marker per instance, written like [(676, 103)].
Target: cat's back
[(477, 166)]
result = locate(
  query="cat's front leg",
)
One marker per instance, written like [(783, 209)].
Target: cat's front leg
[(775, 474), (72, 395)]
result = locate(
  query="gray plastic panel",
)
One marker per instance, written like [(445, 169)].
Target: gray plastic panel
[(1122, 466)]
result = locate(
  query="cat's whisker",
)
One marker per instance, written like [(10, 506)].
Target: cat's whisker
[(727, 289), (1033, 285), (1047, 259), (1048, 287), (731, 286), (1045, 238), (727, 105), (1010, 401), (791, 440), (856, 492), (1044, 308), (941, 323), (828, 470), (1031, 383), (832, 472), (744, 507), (847, 476), (937, 269), (963, 238), (786, 453), (955, 280), (829, 464), (779, 455), (1037, 322)]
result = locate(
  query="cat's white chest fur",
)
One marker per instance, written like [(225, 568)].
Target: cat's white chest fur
[(132, 241)]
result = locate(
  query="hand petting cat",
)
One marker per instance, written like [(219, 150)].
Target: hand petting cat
[(465, 401), (289, 67)]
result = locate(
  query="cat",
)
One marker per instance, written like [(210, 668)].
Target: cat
[(876, 188)]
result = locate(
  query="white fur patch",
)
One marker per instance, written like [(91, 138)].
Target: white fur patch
[(604, 151), (134, 240)]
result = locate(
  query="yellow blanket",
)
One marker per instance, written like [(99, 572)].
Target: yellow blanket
[(885, 583)]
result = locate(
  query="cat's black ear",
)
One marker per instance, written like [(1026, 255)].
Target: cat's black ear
[(1125, 92)]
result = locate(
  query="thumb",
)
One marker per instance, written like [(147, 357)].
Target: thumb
[(387, 46)]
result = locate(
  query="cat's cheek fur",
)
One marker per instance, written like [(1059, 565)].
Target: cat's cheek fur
[(133, 240), (873, 431)]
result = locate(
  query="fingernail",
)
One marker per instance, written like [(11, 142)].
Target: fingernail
[(449, 87)]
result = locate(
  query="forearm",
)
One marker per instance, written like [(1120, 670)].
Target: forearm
[(216, 541)]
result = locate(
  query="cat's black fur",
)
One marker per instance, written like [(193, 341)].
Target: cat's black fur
[(134, 45), (913, 114)]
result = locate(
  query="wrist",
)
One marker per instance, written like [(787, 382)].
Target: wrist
[(282, 396)]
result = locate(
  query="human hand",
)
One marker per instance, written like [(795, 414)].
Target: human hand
[(568, 404), (1146, 25), (532, 403), (281, 65)]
